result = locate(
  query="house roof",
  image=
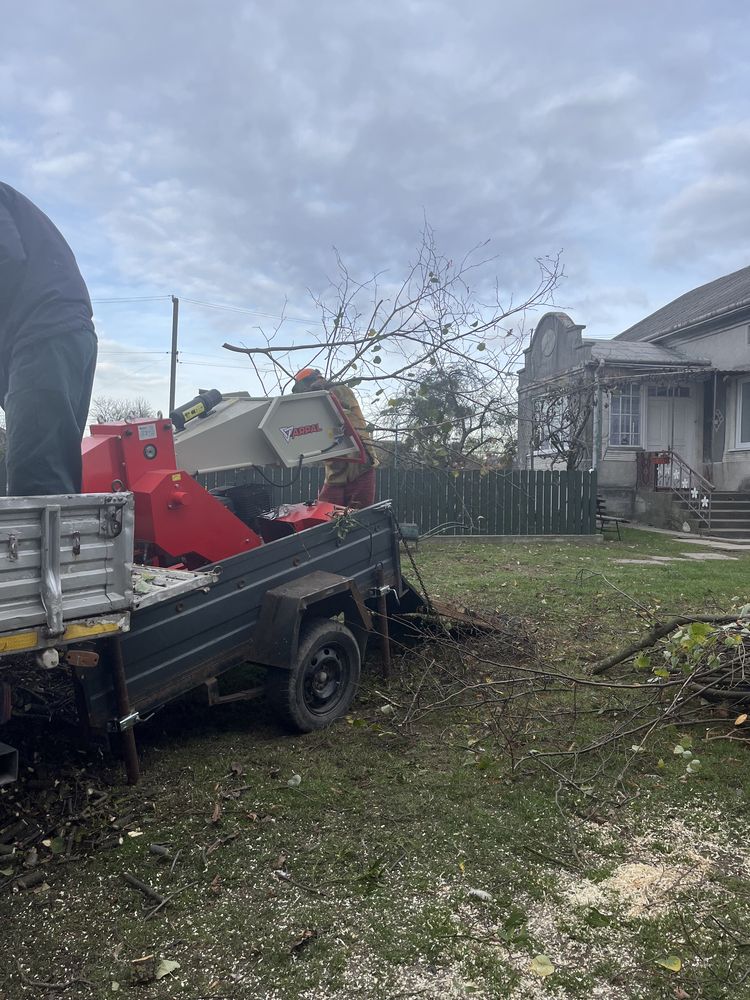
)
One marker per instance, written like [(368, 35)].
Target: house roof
[(705, 302), (616, 350)]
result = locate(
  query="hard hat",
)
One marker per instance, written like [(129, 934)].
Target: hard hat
[(304, 377), (305, 373)]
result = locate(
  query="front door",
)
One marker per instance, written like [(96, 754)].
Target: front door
[(670, 421)]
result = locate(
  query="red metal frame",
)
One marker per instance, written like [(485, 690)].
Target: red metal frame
[(176, 519)]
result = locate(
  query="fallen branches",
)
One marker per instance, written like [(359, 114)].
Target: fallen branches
[(147, 891), (659, 631), (40, 984)]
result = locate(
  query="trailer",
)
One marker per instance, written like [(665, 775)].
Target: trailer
[(155, 589)]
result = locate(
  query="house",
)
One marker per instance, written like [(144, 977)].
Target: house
[(662, 408)]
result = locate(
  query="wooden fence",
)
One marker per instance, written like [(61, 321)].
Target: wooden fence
[(512, 502)]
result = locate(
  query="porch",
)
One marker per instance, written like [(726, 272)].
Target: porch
[(676, 451)]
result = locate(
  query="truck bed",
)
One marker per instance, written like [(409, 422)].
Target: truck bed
[(67, 573)]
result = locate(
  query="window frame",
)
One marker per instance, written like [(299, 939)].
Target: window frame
[(738, 443), (545, 449), (641, 396)]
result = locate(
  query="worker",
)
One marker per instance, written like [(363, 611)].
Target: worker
[(47, 351), (347, 483)]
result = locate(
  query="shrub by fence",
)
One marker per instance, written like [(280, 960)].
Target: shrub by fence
[(507, 502)]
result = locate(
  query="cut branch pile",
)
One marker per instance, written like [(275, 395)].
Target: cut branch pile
[(659, 631), (51, 818)]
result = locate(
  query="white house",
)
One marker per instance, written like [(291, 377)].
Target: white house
[(670, 404)]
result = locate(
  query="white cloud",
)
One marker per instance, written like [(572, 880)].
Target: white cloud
[(220, 152)]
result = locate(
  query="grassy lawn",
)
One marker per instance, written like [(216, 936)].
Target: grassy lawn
[(424, 847), (568, 592)]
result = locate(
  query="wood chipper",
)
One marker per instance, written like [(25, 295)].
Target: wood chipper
[(148, 585)]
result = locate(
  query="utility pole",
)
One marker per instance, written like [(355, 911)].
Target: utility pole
[(173, 353)]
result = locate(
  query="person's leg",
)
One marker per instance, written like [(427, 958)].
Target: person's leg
[(49, 390), (362, 490), (87, 385)]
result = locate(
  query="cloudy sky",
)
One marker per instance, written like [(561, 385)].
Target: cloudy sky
[(220, 151)]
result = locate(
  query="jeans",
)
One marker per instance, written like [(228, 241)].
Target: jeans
[(46, 407)]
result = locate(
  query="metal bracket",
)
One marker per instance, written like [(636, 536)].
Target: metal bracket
[(215, 698), (110, 517), (82, 658), (13, 547), (122, 725)]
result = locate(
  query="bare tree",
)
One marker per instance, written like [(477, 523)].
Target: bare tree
[(380, 332), (109, 409), (560, 422)]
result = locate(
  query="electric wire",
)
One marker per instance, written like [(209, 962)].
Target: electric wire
[(132, 298), (244, 309)]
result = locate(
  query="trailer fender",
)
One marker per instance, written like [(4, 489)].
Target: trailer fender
[(320, 594)]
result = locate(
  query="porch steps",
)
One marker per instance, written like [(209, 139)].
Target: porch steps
[(730, 515)]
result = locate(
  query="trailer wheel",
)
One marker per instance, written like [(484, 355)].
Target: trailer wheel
[(322, 683)]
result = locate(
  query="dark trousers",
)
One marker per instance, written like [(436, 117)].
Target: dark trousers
[(47, 396)]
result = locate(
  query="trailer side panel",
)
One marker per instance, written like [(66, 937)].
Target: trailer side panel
[(174, 646)]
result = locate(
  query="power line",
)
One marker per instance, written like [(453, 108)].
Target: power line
[(132, 298), (224, 306), (251, 312), (127, 354), (209, 364)]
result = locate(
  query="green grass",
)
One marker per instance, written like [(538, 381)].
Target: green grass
[(581, 597), (390, 831)]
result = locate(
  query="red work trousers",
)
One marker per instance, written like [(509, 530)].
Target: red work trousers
[(359, 493)]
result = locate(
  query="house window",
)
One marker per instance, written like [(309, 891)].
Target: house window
[(549, 422), (625, 415), (743, 414)]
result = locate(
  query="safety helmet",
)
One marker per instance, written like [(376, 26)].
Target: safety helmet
[(304, 377)]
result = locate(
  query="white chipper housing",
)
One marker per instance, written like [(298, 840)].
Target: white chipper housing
[(243, 431)]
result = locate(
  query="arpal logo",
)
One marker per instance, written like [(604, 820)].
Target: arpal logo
[(290, 433)]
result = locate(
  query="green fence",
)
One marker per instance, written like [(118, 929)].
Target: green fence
[(513, 502)]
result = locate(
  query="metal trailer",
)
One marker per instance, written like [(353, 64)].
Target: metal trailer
[(302, 606)]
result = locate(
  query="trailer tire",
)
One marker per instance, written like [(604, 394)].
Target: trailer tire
[(321, 685)]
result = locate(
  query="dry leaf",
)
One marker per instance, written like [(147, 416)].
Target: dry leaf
[(164, 967), (216, 814), (541, 966), (279, 862), (740, 719), (486, 897)]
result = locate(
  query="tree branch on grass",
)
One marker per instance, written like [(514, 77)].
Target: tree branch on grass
[(659, 631)]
